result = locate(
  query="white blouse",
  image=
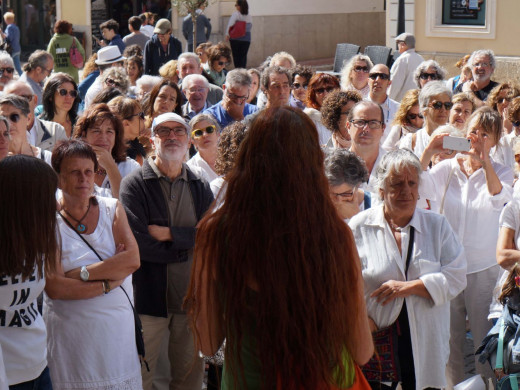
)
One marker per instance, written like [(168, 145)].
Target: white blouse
[(438, 260), (421, 142), (472, 212), (201, 168)]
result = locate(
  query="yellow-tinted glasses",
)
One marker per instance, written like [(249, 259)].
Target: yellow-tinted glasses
[(197, 133)]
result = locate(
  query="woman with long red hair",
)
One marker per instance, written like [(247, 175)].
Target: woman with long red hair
[(276, 271)]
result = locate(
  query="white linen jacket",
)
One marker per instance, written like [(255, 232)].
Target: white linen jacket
[(437, 259)]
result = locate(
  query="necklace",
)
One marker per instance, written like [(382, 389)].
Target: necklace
[(81, 228)]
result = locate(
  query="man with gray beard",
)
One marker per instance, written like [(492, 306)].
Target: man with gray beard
[(164, 202)]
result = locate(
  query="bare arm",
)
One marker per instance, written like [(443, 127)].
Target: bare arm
[(122, 263), (507, 254)]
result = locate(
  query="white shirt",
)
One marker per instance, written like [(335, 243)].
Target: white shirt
[(124, 168), (438, 260), (147, 30), (394, 136), (402, 73), (370, 186), (324, 134), (472, 212), (201, 168), (422, 140), (92, 92), (503, 152)]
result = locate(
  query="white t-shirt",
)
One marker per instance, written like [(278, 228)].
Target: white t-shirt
[(23, 338), (201, 168)]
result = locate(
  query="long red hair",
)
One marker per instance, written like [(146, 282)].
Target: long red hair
[(278, 239)]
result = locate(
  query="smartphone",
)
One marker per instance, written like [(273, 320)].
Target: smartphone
[(460, 144)]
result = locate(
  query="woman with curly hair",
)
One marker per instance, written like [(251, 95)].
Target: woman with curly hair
[(104, 132), (219, 56), (61, 101), (164, 97), (354, 75), (320, 85), (407, 119), (428, 71), (334, 113), (59, 47), (259, 268)]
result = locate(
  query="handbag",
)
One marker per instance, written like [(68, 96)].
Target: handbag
[(384, 365), (139, 340), (6, 46), (238, 30), (510, 381), (76, 59)]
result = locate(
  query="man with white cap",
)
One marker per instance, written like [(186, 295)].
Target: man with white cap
[(164, 201), (108, 57), (404, 67), (161, 48)]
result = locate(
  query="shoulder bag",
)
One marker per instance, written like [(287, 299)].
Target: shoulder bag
[(238, 30), (76, 59), (384, 365), (139, 340), (510, 380)]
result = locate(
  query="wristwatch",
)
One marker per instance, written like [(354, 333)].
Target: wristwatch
[(83, 274), (106, 286)]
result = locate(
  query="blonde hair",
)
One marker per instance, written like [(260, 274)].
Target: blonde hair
[(169, 70), (347, 69), (9, 17)]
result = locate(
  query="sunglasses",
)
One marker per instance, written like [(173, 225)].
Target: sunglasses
[(426, 76), (516, 123), (7, 70), (438, 105), (298, 86), (139, 114), (112, 83), (363, 69), (415, 116), (64, 92), (323, 90), (15, 118), (223, 63), (197, 133), (503, 99), (382, 76)]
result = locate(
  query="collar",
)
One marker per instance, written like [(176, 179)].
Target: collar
[(190, 111), (151, 172), (377, 218)]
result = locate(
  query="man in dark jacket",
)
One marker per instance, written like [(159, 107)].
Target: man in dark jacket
[(164, 202), (161, 48)]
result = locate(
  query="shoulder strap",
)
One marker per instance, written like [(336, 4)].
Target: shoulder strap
[(410, 250), (414, 140), (499, 365), (441, 209), (95, 252)]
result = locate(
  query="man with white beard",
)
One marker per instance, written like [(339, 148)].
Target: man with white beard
[(482, 63), (164, 201)]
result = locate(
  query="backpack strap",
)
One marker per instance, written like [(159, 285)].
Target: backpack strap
[(499, 364), (414, 140)]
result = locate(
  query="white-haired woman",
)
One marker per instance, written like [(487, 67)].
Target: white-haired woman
[(427, 71), (416, 268), (471, 191), (345, 172), (354, 75), (435, 104), (205, 132)]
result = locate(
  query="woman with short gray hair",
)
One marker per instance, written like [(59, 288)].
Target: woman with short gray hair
[(428, 71), (411, 274), (345, 172), (435, 104), (205, 133)]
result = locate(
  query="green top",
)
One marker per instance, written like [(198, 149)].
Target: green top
[(218, 77), (59, 47), (253, 369)]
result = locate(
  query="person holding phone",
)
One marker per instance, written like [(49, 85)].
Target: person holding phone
[(471, 190)]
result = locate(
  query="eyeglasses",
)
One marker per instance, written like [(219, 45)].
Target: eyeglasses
[(222, 63), (139, 114), (15, 118), (6, 70), (438, 105), (481, 65), (236, 98), (298, 86), (363, 69), (516, 123), (112, 83), (197, 133), (426, 76), (163, 132), (197, 89), (415, 116), (372, 124), (503, 99), (320, 91), (382, 76), (63, 92), (348, 195)]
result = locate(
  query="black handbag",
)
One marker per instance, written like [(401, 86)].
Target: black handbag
[(139, 340)]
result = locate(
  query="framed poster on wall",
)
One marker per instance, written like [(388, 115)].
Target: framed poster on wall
[(464, 12)]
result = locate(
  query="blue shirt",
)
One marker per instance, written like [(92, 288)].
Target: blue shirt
[(118, 41), (222, 116), (12, 33)]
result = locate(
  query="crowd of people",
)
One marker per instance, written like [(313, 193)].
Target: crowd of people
[(278, 218)]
